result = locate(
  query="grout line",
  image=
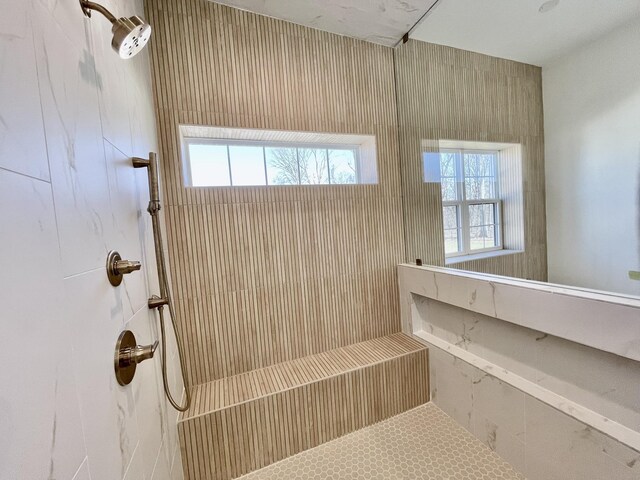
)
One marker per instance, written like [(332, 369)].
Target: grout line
[(133, 455), (79, 274), (9, 170), (303, 452), (176, 452), (155, 464), (46, 141), (84, 460), (38, 73), (105, 139)]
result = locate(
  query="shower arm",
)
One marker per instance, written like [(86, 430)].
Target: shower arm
[(87, 6), (156, 302)]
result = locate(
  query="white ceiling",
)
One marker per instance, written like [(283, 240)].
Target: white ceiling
[(516, 30), (377, 21)]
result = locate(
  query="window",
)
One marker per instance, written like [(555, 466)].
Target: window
[(481, 188), (471, 205), (230, 164), (263, 158)]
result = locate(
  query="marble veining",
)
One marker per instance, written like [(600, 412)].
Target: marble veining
[(20, 109), (600, 415), (69, 110), (76, 156), (536, 438), (489, 373), (610, 323), (39, 412), (380, 21)]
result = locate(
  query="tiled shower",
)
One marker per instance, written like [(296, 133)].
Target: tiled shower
[(312, 349)]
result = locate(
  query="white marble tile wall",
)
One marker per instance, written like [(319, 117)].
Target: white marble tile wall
[(540, 401), (606, 321), (602, 382), (538, 440), (71, 116)]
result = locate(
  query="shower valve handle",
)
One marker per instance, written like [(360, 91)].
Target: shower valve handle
[(136, 354), (140, 353), (129, 354), (127, 266), (117, 267)]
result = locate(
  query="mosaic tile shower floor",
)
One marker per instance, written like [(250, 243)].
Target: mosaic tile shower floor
[(423, 443)]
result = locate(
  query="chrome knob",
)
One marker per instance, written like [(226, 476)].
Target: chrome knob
[(117, 267), (128, 355)]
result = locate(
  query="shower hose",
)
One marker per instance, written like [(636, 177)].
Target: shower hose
[(165, 292)]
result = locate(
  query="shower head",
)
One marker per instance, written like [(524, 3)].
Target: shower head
[(130, 35)]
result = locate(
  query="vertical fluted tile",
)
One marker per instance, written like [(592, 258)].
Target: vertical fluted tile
[(265, 275)]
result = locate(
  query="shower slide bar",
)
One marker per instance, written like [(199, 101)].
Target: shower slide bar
[(164, 299)]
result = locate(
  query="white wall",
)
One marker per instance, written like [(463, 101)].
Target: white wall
[(592, 149), (71, 115)]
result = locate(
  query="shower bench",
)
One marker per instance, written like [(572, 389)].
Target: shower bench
[(245, 422)]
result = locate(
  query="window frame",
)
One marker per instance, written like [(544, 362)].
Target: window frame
[(462, 204), (264, 144)]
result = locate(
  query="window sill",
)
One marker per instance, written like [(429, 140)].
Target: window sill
[(480, 256)]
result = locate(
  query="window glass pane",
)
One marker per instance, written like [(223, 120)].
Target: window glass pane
[(247, 165), (342, 166), (482, 237), (209, 165), (452, 227), (480, 188), (450, 217), (480, 171), (282, 166), (431, 167), (487, 164), (449, 189), (449, 176), (480, 164), (451, 241), (216, 156), (483, 214), (448, 164), (314, 166)]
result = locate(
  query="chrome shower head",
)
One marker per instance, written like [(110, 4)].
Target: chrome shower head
[(130, 35)]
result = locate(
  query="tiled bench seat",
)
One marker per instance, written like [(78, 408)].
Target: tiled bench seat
[(245, 422)]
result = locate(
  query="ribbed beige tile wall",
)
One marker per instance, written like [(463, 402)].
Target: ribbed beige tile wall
[(239, 438), (244, 387), (264, 275), (446, 93)]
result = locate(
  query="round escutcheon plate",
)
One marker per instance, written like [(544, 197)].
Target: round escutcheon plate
[(125, 370), (115, 278)]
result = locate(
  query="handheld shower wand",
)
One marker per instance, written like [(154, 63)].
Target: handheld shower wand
[(159, 302), (130, 35)]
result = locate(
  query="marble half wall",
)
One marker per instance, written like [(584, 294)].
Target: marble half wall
[(535, 438), (551, 406)]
